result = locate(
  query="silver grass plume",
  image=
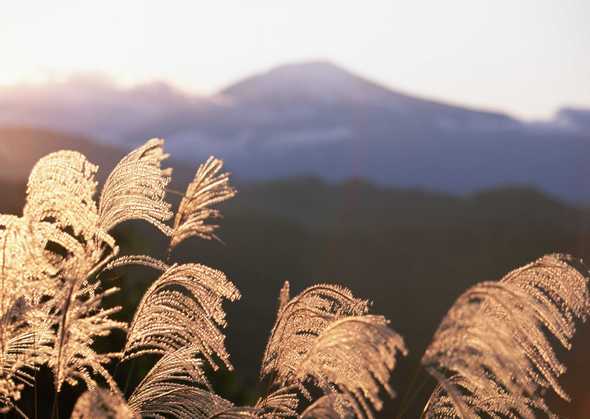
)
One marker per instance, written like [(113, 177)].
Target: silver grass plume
[(51, 297), (59, 210), (333, 406), (324, 337), (135, 189), (82, 320), (138, 260), (61, 189), (26, 336), (237, 413), (208, 188), (354, 355), (176, 386), (60, 194), (299, 322), (182, 307), (26, 270), (492, 355), (99, 403), (280, 404)]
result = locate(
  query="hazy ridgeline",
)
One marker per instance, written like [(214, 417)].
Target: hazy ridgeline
[(411, 252), (319, 118)]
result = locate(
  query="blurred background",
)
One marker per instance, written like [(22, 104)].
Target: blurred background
[(404, 149)]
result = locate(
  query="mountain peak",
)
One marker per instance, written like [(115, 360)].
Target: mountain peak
[(315, 81), (319, 68)]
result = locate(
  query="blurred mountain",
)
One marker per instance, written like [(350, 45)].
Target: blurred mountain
[(576, 119), (321, 86), (21, 147), (318, 119)]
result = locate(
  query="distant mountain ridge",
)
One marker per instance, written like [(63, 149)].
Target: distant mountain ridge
[(22, 147), (319, 119), (323, 83)]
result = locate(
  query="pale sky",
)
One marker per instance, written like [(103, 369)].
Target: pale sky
[(526, 57)]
